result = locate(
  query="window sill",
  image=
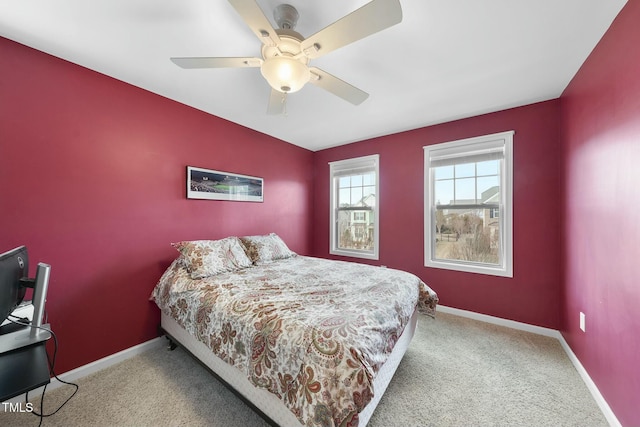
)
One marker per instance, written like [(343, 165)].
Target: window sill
[(467, 268), (354, 254)]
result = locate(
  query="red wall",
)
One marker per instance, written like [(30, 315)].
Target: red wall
[(532, 295), (93, 181), (601, 127)]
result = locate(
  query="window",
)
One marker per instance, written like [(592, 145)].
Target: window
[(354, 207), (468, 205)]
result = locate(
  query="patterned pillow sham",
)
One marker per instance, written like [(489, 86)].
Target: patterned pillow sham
[(176, 278), (266, 249), (204, 258)]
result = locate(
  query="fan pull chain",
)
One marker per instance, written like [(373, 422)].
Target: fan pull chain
[(284, 104)]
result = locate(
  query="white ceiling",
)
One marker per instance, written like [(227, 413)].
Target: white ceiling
[(447, 59)]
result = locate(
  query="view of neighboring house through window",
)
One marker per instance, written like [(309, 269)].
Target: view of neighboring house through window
[(354, 207), (468, 198)]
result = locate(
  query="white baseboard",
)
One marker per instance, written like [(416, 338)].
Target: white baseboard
[(94, 367), (553, 333), (604, 406), (593, 389)]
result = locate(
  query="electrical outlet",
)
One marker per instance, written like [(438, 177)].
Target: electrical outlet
[(582, 322)]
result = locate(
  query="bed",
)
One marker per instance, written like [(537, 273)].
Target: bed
[(307, 341)]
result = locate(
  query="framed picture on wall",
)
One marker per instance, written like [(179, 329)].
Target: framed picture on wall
[(216, 185)]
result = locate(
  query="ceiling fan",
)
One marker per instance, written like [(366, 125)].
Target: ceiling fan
[(286, 53)]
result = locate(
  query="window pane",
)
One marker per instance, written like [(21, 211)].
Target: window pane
[(356, 195), (344, 197), (465, 170), (444, 172), (368, 191), (345, 181), (369, 179), (488, 168), (444, 192), (465, 190), (489, 188), (356, 180), (467, 235), (355, 230)]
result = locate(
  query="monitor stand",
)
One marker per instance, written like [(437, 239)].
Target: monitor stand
[(36, 332)]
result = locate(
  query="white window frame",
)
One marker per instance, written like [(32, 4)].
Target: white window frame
[(345, 167), (461, 148)]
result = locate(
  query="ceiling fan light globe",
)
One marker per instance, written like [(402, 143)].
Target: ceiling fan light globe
[(285, 74)]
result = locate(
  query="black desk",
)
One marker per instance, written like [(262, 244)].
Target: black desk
[(23, 369)]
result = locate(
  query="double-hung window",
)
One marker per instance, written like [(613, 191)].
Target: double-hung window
[(354, 207), (468, 205)]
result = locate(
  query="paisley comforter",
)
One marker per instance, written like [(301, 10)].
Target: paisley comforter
[(312, 331)]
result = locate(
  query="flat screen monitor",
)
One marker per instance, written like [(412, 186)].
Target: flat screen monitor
[(14, 265)]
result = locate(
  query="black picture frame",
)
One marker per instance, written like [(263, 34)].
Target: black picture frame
[(217, 185)]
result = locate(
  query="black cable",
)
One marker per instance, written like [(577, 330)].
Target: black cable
[(52, 364)]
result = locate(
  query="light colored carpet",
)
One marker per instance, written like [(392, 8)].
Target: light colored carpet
[(457, 372)]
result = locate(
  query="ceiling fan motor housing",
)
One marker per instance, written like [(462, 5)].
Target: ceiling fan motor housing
[(286, 16)]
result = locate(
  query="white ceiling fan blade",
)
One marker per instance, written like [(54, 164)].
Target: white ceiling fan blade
[(210, 62), (254, 17), (369, 19), (277, 102), (337, 87)]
